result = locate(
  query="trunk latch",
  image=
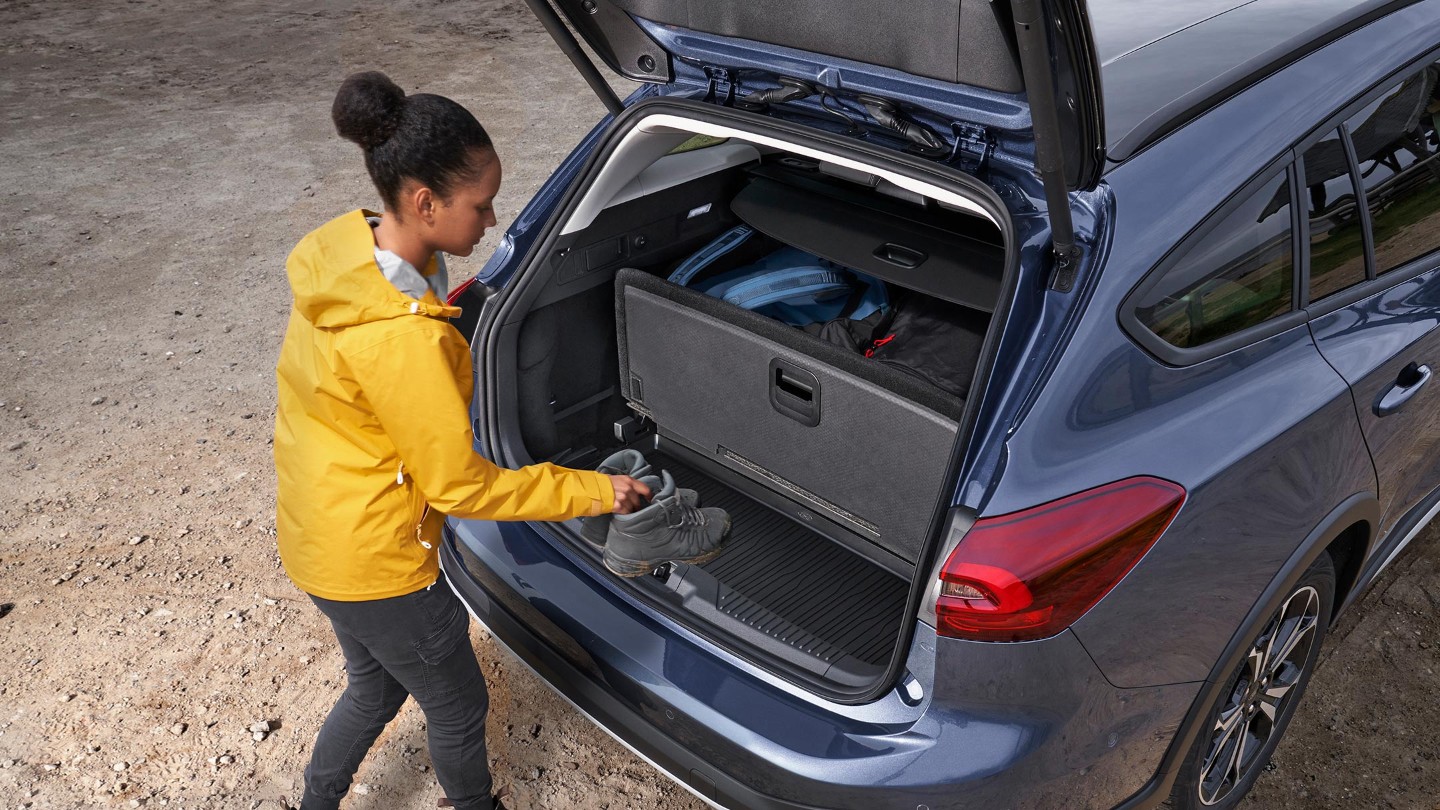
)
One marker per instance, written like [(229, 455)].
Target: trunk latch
[(973, 146)]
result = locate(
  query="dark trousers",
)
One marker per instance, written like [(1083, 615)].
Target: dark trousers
[(417, 644)]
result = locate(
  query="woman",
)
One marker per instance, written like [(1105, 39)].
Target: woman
[(373, 430)]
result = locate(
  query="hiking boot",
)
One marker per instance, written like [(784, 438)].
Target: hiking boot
[(671, 529), (625, 462), (661, 485)]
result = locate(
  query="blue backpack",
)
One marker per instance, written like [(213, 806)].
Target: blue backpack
[(788, 284)]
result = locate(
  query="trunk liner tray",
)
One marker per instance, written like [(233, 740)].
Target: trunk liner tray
[(786, 588)]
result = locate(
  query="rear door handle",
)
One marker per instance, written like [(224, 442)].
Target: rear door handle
[(1407, 384)]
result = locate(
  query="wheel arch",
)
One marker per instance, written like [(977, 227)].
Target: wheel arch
[(1349, 550), (1349, 527)]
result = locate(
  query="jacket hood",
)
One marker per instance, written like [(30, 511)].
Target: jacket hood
[(336, 282)]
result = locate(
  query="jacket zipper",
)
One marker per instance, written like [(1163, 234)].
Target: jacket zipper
[(419, 527)]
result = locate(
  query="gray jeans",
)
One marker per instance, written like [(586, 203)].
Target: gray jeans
[(417, 644)]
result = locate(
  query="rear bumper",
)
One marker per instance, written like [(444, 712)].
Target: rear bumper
[(741, 739)]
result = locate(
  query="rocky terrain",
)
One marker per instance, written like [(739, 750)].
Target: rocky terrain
[(159, 158)]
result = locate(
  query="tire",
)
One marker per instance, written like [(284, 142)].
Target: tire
[(1249, 718)]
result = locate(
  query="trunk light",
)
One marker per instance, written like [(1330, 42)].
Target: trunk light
[(1030, 574)]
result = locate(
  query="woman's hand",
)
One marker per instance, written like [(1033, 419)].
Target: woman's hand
[(630, 495)]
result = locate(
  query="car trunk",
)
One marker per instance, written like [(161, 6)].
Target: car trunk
[(836, 468)]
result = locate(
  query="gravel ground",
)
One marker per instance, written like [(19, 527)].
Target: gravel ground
[(159, 159)]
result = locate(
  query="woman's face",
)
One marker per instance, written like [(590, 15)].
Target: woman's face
[(460, 222)]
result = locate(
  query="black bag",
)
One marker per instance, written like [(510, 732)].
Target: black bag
[(935, 340)]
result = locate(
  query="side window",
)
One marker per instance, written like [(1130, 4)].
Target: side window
[(1396, 145), (1337, 236), (1239, 274)]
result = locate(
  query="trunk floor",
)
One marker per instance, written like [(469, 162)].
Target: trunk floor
[(783, 579)]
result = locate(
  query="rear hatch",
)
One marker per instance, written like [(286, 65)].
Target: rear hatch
[(1040, 50), (938, 118)]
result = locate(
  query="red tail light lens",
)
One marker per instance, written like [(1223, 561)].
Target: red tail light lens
[(1030, 574)]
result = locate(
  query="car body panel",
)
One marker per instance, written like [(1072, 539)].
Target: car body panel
[(1368, 343), (1274, 400), (987, 731)]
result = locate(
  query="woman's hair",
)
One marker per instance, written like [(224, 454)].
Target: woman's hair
[(423, 137)]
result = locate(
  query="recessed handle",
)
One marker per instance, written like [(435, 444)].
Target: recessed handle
[(792, 386), (794, 392), (900, 255)]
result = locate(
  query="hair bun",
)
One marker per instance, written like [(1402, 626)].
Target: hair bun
[(367, 108)]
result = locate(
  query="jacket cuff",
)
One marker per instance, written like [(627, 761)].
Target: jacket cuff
[(603, 502)]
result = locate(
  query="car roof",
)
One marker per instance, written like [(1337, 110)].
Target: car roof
[(1164, 63)]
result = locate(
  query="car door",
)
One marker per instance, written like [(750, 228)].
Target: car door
[(1373, 188)]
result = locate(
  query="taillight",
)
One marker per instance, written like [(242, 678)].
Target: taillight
[(459, 291), (1030, 574)]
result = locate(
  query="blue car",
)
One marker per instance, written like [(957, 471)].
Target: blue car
[(1139, 406)]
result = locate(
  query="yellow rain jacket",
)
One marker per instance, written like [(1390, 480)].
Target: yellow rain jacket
[(373, 428)]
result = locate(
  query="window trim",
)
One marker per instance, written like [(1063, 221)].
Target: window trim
[(1186, 356), (1366, 246)]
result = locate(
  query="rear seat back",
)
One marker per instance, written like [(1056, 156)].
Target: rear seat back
[(865, 445)]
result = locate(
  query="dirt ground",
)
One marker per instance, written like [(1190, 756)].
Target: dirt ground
[(158, 160)]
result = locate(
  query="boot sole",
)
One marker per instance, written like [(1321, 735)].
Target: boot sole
[(638, 568)]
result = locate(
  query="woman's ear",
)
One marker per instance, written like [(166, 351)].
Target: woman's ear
[(423, 201)]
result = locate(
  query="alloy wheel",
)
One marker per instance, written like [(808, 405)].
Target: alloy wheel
[(1259, 695)]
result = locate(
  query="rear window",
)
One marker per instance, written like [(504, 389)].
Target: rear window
[(1239, 274), (1337, 233)]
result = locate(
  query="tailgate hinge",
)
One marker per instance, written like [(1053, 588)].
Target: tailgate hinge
[(973, 146), (719, 77)]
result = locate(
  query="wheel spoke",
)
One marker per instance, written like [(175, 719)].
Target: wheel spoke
[(1276, 693), (1298, 633), (1237, 758), (1229, 723), (1255, 664), (1228, 720)]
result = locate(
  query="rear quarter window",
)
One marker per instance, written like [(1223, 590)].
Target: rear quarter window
[(1238, 274)]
